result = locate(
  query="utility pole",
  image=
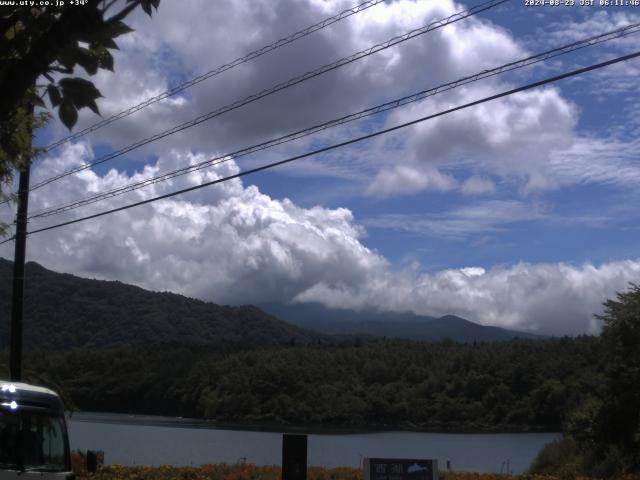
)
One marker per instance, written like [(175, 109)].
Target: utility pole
[(17, 302)]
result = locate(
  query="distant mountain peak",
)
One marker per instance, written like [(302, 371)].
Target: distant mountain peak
[(406, 325)]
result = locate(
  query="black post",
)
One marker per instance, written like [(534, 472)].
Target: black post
[(294, 457), (92, 461), (15, 359)]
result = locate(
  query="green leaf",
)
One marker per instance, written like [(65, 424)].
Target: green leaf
[(90, 23), (106, 60), (87, 60), (54, 95), (68, 113), (148, 4), (80, 92), (110, 43), (114, 29), (93, 106), (67, 57)]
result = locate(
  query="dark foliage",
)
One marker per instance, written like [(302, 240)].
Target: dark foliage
[(511, 386), (63, 311), (46, 43), (602, 426)]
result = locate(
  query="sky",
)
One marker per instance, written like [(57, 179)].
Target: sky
[(520, 212)]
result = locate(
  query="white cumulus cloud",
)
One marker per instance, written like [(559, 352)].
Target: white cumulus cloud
[(556, 299), (234, 244)]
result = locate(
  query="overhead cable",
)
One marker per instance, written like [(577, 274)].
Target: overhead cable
[(345, 143), (223, 68), (281, 86), (419, 96)]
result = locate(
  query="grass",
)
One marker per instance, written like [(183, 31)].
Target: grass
[(272, 472)]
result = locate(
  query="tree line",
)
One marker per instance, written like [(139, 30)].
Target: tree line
[(521, 385)]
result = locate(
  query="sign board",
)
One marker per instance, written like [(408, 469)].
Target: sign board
[(400, 469)]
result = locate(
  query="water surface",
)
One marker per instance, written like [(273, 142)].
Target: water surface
[(147, 440)]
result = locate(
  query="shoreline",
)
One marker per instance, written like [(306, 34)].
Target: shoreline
[(185, 422)]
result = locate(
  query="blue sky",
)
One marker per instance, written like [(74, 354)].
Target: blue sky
[(518, 213)]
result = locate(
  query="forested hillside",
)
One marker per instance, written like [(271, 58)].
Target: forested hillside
[(63, 311), (512, 386)]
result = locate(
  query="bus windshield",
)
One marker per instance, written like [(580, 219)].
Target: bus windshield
[(32, 441)]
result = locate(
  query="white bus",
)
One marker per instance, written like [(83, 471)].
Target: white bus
[(33, 434)]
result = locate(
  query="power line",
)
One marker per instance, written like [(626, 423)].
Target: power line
[(281, 86), (223, 68), (419, 96), (345, 143)]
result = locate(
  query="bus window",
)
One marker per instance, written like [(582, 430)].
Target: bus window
[(32, 439)]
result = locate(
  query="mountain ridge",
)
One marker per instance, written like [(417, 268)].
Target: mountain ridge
[(401, 325), (64, 311)]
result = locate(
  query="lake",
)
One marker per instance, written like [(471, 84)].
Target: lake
[(149, 440)]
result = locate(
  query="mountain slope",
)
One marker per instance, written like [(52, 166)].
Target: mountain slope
[(64, 311), (390, 324)]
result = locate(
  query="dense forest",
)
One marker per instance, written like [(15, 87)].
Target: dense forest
[(511, 386), (64, 311)]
